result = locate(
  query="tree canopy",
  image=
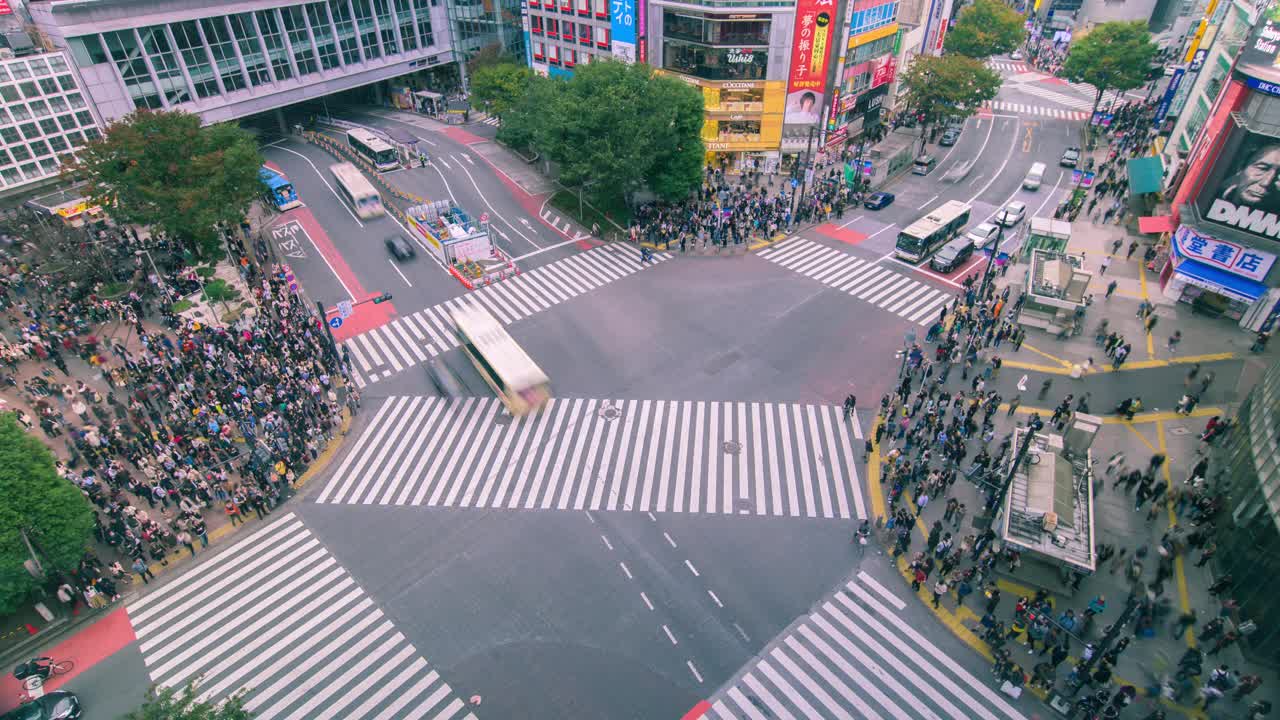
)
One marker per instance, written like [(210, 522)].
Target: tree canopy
[(985, 28), (35, 500), (941, 86), (613, 128), (501, 85), (182, 704), (1113, 56), (164, 170)]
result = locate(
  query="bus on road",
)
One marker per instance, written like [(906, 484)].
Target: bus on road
[(374, 149), (357, 191), (932, 231), (517, 380), (279, 191)]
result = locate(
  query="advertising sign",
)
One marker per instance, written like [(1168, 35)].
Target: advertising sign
[(1165, 102), (5, 8), (1264, 86), (1243, 191), (1258, 57), (642, 35), (1103, 119), (884, 71), (1235, 259), (622, 28), (810, 50)]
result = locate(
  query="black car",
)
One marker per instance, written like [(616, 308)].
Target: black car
[(1070, 157), (877, 200), (399, 247), (949, 137), (56, 705), (952, 255)]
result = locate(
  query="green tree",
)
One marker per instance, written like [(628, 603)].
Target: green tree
[(163, 170), (986, 28), (1113, 56), (941, 86), (500, 85), (614, 128), (182, 704), (37, 503)]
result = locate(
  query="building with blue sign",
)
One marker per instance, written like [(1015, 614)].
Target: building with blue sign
[(562, 34)]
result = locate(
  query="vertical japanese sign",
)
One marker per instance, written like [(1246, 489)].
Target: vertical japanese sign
[(524, 25), (642, 35), (810, 50), (622, 28), (1167, 101)]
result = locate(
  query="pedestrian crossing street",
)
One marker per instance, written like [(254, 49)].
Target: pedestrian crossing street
[(1021, 109), (275, 613), (853, 657), (493, 120), (592, 454), (903, 296), (412, 339)]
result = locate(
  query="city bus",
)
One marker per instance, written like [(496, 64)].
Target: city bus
[(374, 149), (514, 377), (279, 191), (356, 189), (932, 231)]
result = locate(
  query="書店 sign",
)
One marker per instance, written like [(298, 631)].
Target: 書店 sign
[(1235, 259)]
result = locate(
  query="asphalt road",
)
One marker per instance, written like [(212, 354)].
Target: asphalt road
[(674, 529)]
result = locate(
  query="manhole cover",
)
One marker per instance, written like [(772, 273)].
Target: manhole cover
[(609, 412), (1179, 431), (732, 447)]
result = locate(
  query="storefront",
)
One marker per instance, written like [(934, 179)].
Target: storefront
[(1217, 277), (742, 129)]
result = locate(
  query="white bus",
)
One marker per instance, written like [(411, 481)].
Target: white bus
[(356, 189), (517, 380), (374, 149), (932, 231)]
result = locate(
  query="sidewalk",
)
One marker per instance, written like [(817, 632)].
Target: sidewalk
[(1156, 374)]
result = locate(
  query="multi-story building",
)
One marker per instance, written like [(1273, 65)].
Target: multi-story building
[(1246, 465), (477, 24), (563, 34), (226, 60), (44, 116), (1221, 257), (865, 71)]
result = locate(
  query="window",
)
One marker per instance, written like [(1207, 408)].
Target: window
[(387, 26), (567, 31), (57, 104), (553, 54), (219, 40), (49, 126), (11, 176), (92, 133), (535, 24), (29, 89), (584, 33), (39, 107), (601, 7), (20, 153), (250, 50), (9, 135), (872, 18), (9, 93), (87, 50), (30, 130), (4, 117), (20, 71), (85, 118), (874, 49), (714, 63), (569, 57), (77, 139), (127, 56), (191, 48), (40, 147), (20, 112), (276, 52), (68, 122), (318, 17), (31, 171), (404, 16), (5, 157), (423, 9), (48, 85), (58, 143), (553, 28), (57, 64), (295, 23), (365, 27), (49, 166), (538, 51), (75, 100), (584, 7), (4, 74), (165, 63), (346, 27), (602, 37), (39, 66), (67, 82)]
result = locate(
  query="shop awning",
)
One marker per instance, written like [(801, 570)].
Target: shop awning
[(1235, 286), (1145, 175), (1155, 224)]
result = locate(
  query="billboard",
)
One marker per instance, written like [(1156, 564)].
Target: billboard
[(810, 50), (1258, 57), (5, 8), (622, 29), (884, 71), (1232, 257), (1243, 190)]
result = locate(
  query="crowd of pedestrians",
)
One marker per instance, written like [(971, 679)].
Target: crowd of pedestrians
[(167, 424)]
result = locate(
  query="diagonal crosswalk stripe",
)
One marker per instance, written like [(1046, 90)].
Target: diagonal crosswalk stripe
[(854, 657), (872, 283), (413, 339), (277, 617), (593, 454)]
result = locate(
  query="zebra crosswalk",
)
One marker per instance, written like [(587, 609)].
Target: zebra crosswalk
[(854, 657), (1021, 109), (277, 617), (413, 339), (916, 301), (630, 455), (492, 120), (1016, 66)]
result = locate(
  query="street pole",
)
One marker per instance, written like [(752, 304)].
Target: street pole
[(1033, 426), (808, 161), (907, 338), (986, 275)]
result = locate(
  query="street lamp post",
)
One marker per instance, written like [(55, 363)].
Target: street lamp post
[(991, 259)]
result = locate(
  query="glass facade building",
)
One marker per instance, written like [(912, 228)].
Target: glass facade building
[(229, 60), (44, 117), (1247, 461)]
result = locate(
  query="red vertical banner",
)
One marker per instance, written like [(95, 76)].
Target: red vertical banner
[(642, 34), (811, 46), (5, 8)]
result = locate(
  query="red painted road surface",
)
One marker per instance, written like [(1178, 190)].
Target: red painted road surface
[(86, 648), (851, 237), (698, 711)]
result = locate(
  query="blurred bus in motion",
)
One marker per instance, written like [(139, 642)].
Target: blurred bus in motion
[(517, 380)]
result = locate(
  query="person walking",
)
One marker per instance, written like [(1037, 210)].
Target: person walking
[(144, 572)]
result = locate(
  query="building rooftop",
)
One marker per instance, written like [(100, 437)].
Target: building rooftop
[(1059, 276), (1048, 510)]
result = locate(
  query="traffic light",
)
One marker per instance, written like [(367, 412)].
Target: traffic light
[(384, 297)]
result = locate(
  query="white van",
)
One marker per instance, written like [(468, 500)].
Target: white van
[(923, 165), (1034, 176)]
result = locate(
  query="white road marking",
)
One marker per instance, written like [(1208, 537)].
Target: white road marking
[(397, 269)]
